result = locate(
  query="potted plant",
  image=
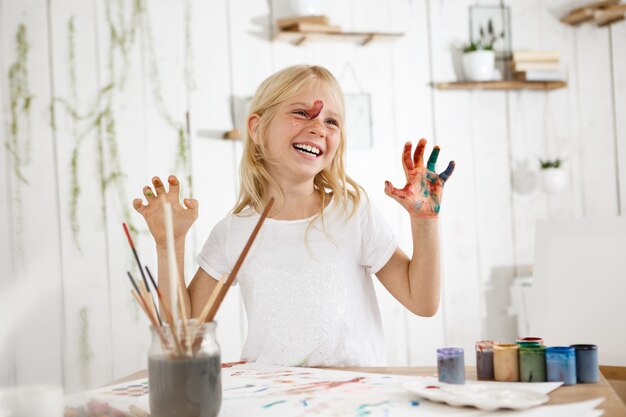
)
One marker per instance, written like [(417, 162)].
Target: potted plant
[(552, 176), (479, 58)]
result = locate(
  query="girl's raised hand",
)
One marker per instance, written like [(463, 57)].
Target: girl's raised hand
[(421, 196), (183, 217)]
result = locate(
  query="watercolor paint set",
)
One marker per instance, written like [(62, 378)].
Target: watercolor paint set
[(526, 360)]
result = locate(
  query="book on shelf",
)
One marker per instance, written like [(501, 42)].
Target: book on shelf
[(536, 66), (536, 56), (289, 21), (312, 27), (538, 76)]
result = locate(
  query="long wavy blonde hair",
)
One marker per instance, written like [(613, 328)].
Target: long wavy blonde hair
[(332, 182)]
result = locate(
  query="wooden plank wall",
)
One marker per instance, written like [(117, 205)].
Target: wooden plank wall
[(132, 75)]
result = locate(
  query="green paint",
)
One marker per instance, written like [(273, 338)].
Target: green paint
[(274, 403), (86, 355), (148, 193), (432, 161), (18, 143)]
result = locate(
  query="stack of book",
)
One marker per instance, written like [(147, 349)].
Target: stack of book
[(311, 24), (536, 66)]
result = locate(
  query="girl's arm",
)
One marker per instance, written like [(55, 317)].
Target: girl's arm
[(415, 282), (183, 218)]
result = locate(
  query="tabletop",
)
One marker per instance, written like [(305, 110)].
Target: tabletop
[(612, 405)]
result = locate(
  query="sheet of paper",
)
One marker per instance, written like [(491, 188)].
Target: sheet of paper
[(264, 390), (121, 397)]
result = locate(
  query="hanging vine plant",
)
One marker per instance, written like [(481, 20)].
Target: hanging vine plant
[(100, 119), (85, 352), (18, 143)]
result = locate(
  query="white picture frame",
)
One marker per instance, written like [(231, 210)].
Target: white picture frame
[(358, 123)]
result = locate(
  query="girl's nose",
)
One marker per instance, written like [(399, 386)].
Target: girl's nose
[(317, 128)]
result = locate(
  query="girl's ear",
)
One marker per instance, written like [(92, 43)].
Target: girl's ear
[(253, 127)]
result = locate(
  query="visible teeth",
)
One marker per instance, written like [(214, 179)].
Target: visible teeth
[(308, 148)]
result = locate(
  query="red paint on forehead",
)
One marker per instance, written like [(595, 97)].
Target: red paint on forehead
[(315, 111)]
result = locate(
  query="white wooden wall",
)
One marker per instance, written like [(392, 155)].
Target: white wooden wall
[(66, 315)]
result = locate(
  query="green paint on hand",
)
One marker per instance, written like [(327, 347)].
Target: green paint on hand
[(433, 159)]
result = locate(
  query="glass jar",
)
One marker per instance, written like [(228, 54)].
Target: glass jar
[(184, 371), (484, 359), (532, 363), (561, 364), (506, 362), (451, 365)]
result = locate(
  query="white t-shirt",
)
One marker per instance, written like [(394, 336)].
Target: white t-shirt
[(309, 301)]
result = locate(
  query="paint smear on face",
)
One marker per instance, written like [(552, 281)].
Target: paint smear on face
[(315, 111)]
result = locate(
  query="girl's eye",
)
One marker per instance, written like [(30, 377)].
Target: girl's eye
[(301, 113), (332, 122)]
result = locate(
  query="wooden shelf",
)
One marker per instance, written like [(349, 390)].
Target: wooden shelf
[(362, 38), (602, 13), (501, 85), (232, 134)]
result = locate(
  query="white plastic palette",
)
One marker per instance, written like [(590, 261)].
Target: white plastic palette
[(482, 396)]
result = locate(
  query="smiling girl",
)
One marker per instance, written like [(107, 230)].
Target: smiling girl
[(307, 281)]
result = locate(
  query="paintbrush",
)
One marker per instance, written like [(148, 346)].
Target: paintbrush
[(233, 274), (132, 247), (166, 311), (164, 307)]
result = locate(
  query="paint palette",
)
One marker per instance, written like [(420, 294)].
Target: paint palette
[(482, 396)]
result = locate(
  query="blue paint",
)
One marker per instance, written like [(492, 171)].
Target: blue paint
[(262, 389), (451, 365), (305, 403), (415, 403), (561, 364), (446, 174), (274, 403), (587, 363)]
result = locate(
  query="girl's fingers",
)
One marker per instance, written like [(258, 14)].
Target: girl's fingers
[(174, 186), (446, 174), (158, 186), (418, 157), (407, 162), (191, 204), (147, 191), (138, 205), (433, 159), (393, 192)]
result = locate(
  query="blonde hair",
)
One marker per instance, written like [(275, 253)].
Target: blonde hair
[(254, 177)]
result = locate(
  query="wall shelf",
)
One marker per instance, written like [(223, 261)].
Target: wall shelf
[(232, 134), (362, 38), (501, 85), (602, 13)]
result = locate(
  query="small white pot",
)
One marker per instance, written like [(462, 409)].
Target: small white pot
[(552, 180), (479, 65), (305, 7)]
